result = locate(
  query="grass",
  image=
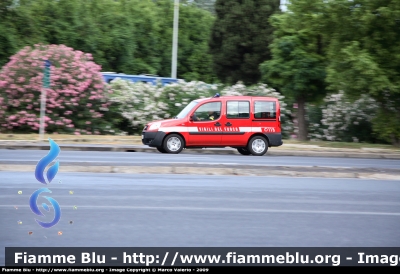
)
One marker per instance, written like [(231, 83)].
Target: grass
[(136, 140)]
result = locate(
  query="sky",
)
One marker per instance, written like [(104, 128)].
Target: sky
[(283, 4)]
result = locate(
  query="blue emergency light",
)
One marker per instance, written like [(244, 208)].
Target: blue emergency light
[(216, 95)]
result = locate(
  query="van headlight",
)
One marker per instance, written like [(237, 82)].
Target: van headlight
[(155, 126)]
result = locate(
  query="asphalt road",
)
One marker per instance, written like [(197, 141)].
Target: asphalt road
[(128, 210), (139, 158)]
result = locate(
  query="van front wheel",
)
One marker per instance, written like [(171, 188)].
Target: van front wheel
[(258, 146), (173, 143)]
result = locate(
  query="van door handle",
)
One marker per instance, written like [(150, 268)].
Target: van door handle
[(217, 124), (228, 124)]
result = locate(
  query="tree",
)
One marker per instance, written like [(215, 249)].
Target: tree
[(118, 33), (125, 36), (364, 56), (297, 66), (194, 60), (240, 38), (8, 33)]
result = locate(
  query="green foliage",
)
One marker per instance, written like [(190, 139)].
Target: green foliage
[(10, 38), (363, 49), (298, 71), (386, 124), (364, 55), (240, 38), (127, 36), (194, 61)]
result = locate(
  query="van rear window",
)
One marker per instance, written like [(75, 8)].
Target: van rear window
[(265, 110)]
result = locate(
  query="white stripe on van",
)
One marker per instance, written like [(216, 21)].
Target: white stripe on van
[(195, 129), (246, 129)]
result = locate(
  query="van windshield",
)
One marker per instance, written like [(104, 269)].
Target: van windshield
[(186, 110)]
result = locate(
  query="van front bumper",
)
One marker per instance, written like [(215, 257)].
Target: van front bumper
[(153, 138)]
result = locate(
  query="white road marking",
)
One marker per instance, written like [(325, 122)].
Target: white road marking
[(237, 210), (247, 164)]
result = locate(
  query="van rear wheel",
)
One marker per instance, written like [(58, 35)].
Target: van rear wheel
[(258, 146), (243, 151), (173, 143)]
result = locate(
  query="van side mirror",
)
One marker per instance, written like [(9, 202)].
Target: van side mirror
[(191, 118)]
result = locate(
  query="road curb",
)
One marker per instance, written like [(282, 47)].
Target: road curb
[(223, 151), (212, 171)]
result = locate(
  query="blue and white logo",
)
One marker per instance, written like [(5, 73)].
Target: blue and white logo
[(51, 173)]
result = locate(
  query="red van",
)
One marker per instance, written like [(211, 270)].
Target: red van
[(249, 124)]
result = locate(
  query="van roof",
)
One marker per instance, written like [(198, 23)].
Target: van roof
[(237, 97)]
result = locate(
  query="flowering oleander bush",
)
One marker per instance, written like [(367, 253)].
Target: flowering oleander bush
[(75, 102), (343, 120), (140, 103), (178, 95)]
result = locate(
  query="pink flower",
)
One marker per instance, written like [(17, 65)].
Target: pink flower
[(21, 82)]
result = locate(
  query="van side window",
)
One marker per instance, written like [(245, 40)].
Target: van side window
[(265, 110), (238, 109), (208, 112)]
